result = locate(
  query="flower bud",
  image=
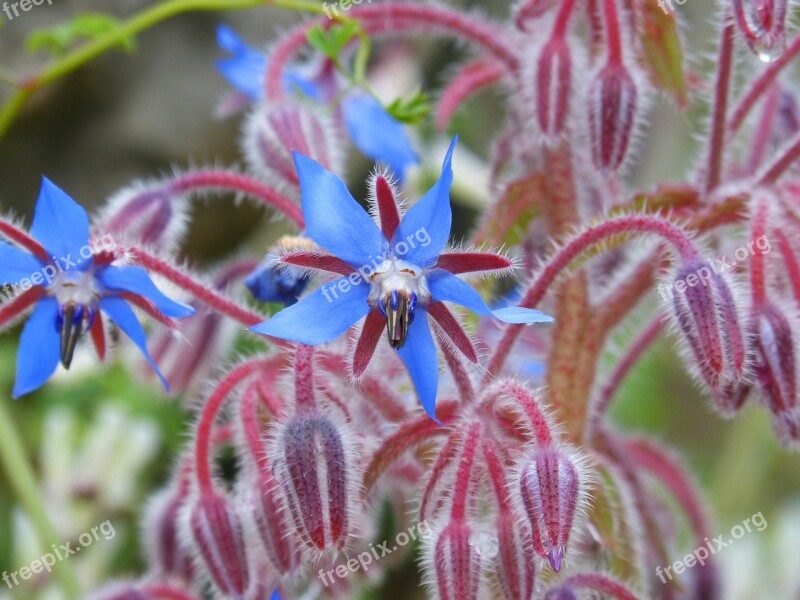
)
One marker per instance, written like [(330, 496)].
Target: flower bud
[(456, 563), (550, 492), (218, 536), (273, 131), (315, 476), (160, 530), (776, 369), (273, 523), (553, 86), (708, 320), (612, 113), (513, 565), (763, 23), (271, 283)]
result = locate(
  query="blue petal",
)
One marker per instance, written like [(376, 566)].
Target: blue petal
[(122, 314), (16, 264), (39, 350), (449, 288), (268, 283), (276, 595), (432, 215), (320, 317), (59, 223), (137, 281), (334, 220), (247, 67), (420, 356), (376, 133)]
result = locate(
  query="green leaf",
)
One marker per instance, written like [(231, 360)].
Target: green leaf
[(332, 41), (59, 39), (413, 109)]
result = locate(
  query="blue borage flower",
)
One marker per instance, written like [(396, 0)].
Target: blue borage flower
[(397, 275), (69, 284), (373, 130)]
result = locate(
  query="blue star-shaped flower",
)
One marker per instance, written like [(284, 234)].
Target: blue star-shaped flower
[(373, 130), (70, 283), (396, 275)]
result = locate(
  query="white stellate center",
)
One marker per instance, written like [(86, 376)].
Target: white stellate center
[(394, 274), (75, 287)]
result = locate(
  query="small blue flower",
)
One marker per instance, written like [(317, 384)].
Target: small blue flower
[(70, 285), (398, 274), (375, 132)]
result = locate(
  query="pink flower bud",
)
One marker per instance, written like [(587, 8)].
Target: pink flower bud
[(273, 523), (707, 317), (612, 113), (161, 535), (272, 132), (456, 563), (316, 478), (776, 369), (550, 493), (513, 565), (553, 85), (218, 536)]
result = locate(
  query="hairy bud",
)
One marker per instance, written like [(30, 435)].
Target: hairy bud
[(161, 535), (513, 565), (273, 131), (314, 473), (763, 23), (456, 563), (550, 492), (612, 113), (218, 536), (553, 86), (708, 320)]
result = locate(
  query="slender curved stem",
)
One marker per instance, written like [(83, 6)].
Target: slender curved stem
[(22, 480)]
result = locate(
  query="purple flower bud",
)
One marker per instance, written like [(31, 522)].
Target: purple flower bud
[(272, 132), (612, 113), (550, 493), (218, 536), (145, 213), (316, 478), (776, 369), (456, 563), (763, 23), (161, 535), (553, 86), (707, 316)]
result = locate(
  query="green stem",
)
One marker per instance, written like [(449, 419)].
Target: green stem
[(139, 22), (22, 479)]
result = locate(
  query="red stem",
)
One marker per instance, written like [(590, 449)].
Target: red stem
[(716, 146), (458, 511), (600, 583), (791, 262), (613, 34), (784, 159), (163, 590), (538, 420), (198, 181), (209, 413), (203, 293), (757, 270), (591, 236)]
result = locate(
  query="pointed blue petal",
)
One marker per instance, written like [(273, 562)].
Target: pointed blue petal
[(334, 220), (378, 134), (59, 223), (449, 288), (432, 215), (16, 264), (246, 67), (122, 314), (136, 280), (420, 357), (320, 317), (276, 595), (39, 350)]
